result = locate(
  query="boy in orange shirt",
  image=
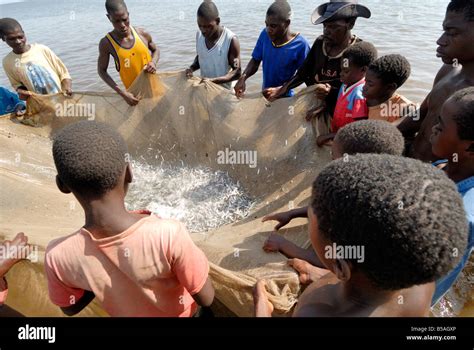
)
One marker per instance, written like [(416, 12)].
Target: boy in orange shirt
[(136, 264), (384, 77)]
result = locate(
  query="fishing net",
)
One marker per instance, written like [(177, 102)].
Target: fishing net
[(268, 149)]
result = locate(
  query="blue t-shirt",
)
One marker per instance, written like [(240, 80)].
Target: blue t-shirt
[(466, 189), (9, 101), (280, 63)]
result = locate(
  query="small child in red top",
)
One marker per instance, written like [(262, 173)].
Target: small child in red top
[(351, 104)]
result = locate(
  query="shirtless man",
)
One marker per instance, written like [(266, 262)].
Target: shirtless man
[(456, 49)]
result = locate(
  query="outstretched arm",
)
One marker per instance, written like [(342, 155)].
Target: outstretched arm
[(103, 65), (150, 67), (285, 217), (192, 68), (251, 69), (277, 243)]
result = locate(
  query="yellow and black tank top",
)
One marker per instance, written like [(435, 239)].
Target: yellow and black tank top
[(130, 62)]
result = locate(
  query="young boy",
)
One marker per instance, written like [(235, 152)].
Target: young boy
[(453, 139), (457, 52), (351, 105), (10, 102), (400, 241), (132, 49), (367, 136), (32, 67), (384, 77), (218, 49), (280, 50), (136, 264), (12, 252)]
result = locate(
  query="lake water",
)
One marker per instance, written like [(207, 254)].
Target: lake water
[(73, 28)]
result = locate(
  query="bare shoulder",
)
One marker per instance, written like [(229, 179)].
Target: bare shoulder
[(443, 71), (104, 45), (143, 33), (319, 299)]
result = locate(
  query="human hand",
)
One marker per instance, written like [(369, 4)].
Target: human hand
[(282, 218), (262, 306), (272, 94), (273, 243), (14, 251), (131, 99), (322, 90), (67, 92), (240, 88), (307, 273), (189, 73), (150, 67)]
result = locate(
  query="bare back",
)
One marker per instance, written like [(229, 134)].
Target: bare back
[(325, 298)]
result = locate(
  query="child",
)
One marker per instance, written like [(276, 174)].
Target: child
[(379, 224), (12, 252), (136, 264), (351, 105), (453, 139), (367, 136), (218, 49), (132, 49), (10, 102), (32, 67), (384, 77), (281, 51)]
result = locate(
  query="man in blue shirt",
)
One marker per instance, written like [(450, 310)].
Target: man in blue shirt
[(281, 51), (453, 139), (10, 102)]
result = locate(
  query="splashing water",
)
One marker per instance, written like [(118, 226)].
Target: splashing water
[(201, 198)]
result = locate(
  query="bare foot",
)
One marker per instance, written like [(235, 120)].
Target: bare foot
[(12, 252), (263, 307), (308, 273)]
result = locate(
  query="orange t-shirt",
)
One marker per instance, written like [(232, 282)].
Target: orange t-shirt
[(3, 290), (392, 110), (149, 270)]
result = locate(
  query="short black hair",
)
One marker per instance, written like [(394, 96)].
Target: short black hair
[(208, 10), (466, 6), (280, 9), (361, 54), (8, 25), (90, 157), (392, 69), (464, 119), (408, 216), (115, 5), (370, 136)]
